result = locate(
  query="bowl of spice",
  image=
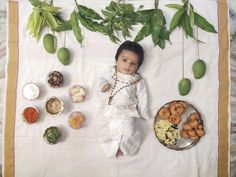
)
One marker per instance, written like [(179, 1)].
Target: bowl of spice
[(77, 93), (30, 91), (52, 135), (76, 120), (30, 114), (55, 79), (54, 105)]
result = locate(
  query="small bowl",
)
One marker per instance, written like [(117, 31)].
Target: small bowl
[(77, 93), (54, 105), (30, 91), (55, 79), (52, 135), (30, 114), (76, 120)]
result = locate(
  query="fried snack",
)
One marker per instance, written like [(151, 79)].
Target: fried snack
[(164, 113), (187, 126), (175, 119), (200, 133), (176, 108), (192, 133), (184, 104), (184, 133), (193, 123), (194, 116)]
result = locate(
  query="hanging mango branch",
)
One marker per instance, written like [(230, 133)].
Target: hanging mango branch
[(186, 18), (43, 15), (154, 24)]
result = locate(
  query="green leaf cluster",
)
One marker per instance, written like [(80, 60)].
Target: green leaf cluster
[(43, 14), (186, 18), (154, 24), (118, 18), (84, 16)]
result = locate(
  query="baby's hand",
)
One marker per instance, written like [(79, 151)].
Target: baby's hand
[(106, 87)]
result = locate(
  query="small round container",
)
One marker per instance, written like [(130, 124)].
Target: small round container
[(30, 114), (55, 79), (52, 135), (76, 120), (77, 93), (30, 91), (54, 105)]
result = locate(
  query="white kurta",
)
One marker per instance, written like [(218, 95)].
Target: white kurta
[(116, 122)]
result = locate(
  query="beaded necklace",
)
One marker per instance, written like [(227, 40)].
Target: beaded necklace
[(113, 92)]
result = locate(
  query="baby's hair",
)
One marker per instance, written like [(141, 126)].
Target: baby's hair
[(134, 47)]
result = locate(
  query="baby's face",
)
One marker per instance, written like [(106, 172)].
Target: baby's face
[(127, 62)]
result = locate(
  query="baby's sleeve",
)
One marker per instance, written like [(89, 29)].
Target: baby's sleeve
[(105, 76), (142, 97)]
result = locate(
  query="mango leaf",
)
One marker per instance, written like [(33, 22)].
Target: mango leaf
[(128, 7), (75, 26), (107, 14), (52, 9), (50, 19), (191, 16), (113, 38), (65, 26), (202, 23), (144, 32), (165, 34), (30, 23), (143, 16), (187, 27), (89, 13), (174, 6), (35, 3), (36, 18), (161, 43), (86, 22), (176, 19), (38, 27), (157, 23)]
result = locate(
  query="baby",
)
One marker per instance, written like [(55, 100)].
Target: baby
[(124, 100)]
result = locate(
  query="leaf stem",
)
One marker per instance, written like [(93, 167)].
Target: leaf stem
[(156, 4), (64, 44), (182, 54), (198, 51)]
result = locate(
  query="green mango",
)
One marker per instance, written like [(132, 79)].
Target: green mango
[(49, 43), (184, 86), (63, 54), (199, 69)]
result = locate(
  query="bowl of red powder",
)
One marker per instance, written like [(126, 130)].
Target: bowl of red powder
[(30, 114)]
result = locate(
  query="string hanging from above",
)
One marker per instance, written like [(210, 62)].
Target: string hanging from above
[(185, 83)]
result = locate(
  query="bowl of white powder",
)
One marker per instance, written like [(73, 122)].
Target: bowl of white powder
[(30, 91)]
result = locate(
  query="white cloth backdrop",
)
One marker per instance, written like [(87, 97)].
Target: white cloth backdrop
[(79, 154)]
